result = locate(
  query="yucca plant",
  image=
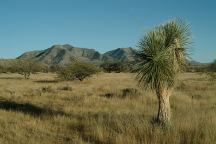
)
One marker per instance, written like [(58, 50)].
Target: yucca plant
[(161, 56)]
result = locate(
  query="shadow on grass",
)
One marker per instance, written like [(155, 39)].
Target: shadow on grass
[(11, 78), (46, 81), (28, 108)]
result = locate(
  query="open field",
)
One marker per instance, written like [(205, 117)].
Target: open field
[(104, 109)]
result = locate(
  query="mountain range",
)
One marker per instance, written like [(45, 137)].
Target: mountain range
[(62, 54)]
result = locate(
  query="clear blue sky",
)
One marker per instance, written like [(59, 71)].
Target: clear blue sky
[(101, 24)]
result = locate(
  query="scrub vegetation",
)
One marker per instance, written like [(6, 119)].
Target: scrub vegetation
[(105, 108), (111, 102)]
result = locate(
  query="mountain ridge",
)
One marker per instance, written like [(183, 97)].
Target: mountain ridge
[(62, 54)]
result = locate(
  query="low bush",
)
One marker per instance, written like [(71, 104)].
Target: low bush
[(117, 67), (211, 71), (78, 71)]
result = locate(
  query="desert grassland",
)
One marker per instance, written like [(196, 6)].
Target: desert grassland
[(102, 110)]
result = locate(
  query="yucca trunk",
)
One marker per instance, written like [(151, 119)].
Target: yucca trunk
[(164, 112)]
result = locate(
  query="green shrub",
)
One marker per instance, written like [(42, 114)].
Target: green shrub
[(27, 67), (112, 67), (6, 66), (78, 71), (211, 71), (212, 66), (55, 68), (117, 66), (23, 67)]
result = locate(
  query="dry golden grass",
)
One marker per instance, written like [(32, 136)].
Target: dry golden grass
[(107, 108)]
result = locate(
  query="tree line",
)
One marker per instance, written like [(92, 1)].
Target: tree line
[(82, 69), (22, 67), (76, 70)]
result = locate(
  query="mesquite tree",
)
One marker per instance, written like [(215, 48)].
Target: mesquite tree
[(211, 71), (27, 67), (78, 70), (161, 56)]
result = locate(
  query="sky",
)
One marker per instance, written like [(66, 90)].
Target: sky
[(104, 25)]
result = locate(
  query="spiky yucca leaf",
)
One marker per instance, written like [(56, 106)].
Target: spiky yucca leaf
[(162, 54), (178, 40)]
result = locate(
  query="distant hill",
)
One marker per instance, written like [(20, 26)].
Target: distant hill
[(62, 54), (193, 63), (119, 54)]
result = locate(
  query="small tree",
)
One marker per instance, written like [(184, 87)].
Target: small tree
[(6, 66), (3, 69), (26, 67), (212, 66), (112, 67), (78, 70), (65, 73), (162, 55), (211, 70), (55, 68)]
